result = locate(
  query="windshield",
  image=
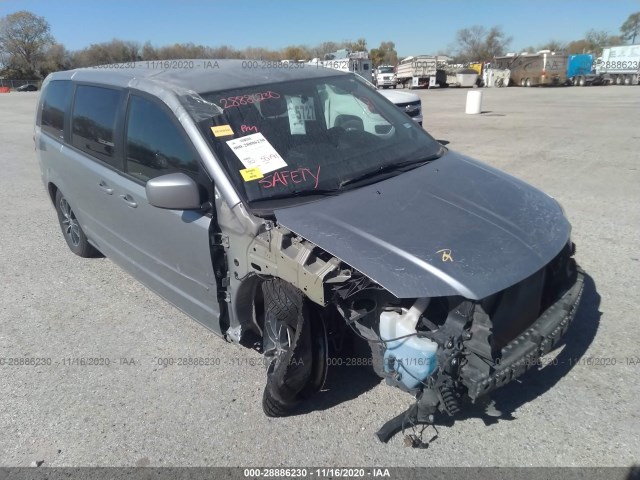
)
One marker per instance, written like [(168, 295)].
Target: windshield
[(386, 70), (309, 136)]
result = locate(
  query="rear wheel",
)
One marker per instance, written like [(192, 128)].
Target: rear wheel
[(522, 82), (618, 80), (527, 82), (71, 230)]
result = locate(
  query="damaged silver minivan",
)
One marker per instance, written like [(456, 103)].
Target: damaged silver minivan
[(289, 205)]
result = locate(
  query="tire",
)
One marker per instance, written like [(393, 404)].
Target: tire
[(71, 230), (618, 80), (377, 359), (288, 347), (527, 83), (394, 86), (627, 80), (522, 82)]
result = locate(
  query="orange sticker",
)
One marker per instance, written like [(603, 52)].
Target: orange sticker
[(222, 130)]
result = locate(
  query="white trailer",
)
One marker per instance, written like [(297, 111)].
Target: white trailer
[(346, 61), (620, 65), (422, 71)]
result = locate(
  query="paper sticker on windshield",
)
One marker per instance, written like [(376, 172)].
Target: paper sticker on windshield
[(300, 109), (255, 151), (222, 130), (249, 174)]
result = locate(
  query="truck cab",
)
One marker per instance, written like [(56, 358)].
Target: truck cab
[(385, 76)]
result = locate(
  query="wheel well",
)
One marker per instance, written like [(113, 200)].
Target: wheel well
[(52, 192)]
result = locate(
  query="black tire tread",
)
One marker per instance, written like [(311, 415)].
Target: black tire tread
[(272, 407), (284, 302), (377, 358), (84, 249)]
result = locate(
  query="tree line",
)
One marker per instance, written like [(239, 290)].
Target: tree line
[(29, 51)]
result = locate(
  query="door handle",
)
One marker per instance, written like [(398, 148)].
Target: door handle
[(103, 185), (128, 199)]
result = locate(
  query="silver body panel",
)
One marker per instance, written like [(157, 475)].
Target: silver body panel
[(451, 227)]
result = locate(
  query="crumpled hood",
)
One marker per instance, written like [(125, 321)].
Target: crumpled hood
[(452, 227)]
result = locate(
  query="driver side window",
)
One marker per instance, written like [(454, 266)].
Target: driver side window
[(155, 145)]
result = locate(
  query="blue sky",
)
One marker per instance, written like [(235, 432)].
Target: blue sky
[(415, 26)]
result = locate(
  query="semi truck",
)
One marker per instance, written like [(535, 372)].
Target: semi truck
[(620, 65), (422, 71), (385, 76), (581, 71), (533, 69)]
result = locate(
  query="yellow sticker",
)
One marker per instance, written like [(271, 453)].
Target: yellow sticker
[(251, 174), (222, 130)]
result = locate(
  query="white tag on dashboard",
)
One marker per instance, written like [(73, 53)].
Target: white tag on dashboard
[(255, 151), (299, 110)]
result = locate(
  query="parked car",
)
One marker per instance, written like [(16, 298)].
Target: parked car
[(407, 102), (269, 209), (27, 87)]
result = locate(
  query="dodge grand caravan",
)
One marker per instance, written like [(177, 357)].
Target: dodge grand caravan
[(287, 206)]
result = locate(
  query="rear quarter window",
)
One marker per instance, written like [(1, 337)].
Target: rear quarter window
[(93, 122), (55, 102)]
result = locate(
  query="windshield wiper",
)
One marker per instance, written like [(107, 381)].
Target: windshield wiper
[(302, 193), (388, 170)]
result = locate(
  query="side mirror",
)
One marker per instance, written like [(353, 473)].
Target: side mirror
[(175, 191)]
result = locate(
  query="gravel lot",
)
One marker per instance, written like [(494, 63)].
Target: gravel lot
[(580, 145)]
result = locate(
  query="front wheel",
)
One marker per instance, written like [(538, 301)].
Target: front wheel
[(295, 348), (71, 230)]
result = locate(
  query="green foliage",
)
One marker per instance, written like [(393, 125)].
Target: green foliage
[(24, 40), (385, 54), (477, 44), (630, 29)]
